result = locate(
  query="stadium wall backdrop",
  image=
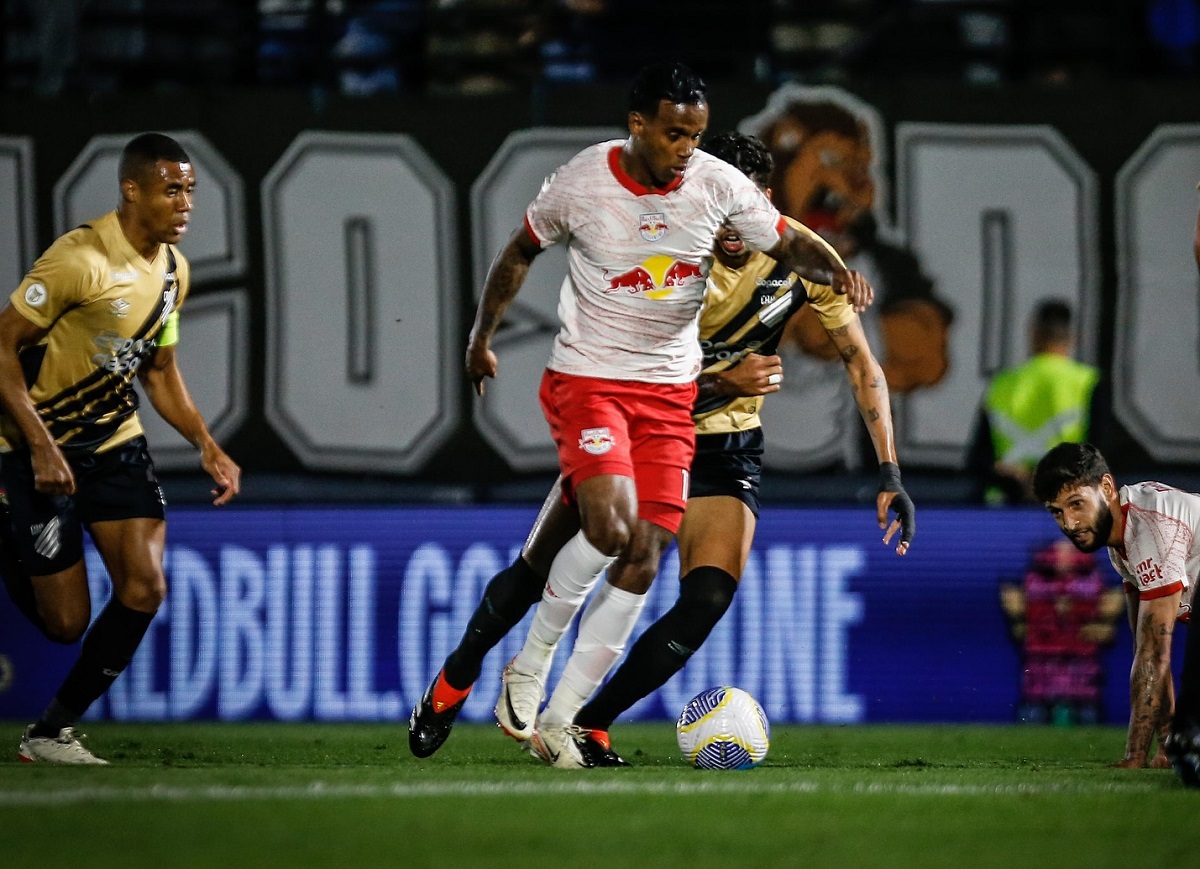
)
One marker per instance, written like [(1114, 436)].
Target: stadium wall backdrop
[(339, 243), (342, 613)]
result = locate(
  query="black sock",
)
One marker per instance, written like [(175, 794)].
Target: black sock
[(106, 652), (704, 596), (1187, 703), (506, 599)]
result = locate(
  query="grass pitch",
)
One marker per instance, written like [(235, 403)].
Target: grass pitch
[(234, 795)]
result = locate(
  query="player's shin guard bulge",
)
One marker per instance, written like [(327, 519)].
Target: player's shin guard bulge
[(663, 649)]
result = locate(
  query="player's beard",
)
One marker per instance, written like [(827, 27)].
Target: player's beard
[(1100, 530)]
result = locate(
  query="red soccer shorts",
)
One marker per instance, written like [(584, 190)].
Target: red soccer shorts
[(628, 428)]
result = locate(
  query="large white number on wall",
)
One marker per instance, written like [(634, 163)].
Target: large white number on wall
[(509, 414), (1002, 218), (16, 211), (1156, 364), (214, 332), (362, 299)]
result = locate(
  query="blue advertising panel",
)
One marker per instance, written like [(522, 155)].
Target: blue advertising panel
[(345, 613)]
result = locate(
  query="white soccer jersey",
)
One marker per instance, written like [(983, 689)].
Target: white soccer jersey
[(1161, 551), (638, 259)]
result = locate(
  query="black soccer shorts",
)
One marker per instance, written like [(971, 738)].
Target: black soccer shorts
[(117, 484), (728, 464)]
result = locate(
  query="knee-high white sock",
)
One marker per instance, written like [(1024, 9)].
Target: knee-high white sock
[(573, 574), (603, 632)]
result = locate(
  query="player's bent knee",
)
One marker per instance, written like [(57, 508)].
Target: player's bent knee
[(145, 595), (64, 628)]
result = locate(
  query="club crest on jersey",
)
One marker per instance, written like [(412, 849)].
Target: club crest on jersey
[(596, 441), (653, 226)]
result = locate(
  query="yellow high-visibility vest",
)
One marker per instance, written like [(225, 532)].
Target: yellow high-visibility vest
[(1038, 404)]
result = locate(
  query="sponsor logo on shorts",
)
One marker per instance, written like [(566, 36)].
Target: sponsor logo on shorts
[(596, 441)]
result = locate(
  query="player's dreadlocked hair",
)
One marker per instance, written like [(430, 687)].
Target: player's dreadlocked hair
[(742, 152), (672, 82), (1068, 465), (143, 153)]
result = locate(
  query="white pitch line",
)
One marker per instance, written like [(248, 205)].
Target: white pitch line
[(319, 790)]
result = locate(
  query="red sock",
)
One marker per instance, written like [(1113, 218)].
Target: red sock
[(445, 695)]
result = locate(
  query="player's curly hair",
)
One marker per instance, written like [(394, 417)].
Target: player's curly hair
[(743, 152), (1066, 466), (671, 81)]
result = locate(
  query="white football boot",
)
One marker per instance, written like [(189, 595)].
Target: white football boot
[(557, 743), (519, 701), (64, 748)]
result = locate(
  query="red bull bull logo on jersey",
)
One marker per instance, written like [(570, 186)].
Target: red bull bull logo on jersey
[(596, 441), (655, 278), (653, 226)]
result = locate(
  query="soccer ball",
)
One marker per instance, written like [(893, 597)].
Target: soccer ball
[(723, 728)]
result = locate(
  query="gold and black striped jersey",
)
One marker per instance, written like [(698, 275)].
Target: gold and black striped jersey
[(105, 309), (744, 312)]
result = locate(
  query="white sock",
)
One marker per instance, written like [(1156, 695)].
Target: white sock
[(603, 632), (573, 574)]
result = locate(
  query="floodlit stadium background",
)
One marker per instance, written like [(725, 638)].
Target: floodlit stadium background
[(342, 229)]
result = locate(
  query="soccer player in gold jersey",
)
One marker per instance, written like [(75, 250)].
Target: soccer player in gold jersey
[(99, 308), (749, 299)]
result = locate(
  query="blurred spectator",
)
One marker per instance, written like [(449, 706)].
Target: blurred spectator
[(55, 25), (1032, 407), (1174, 26), (379, 50)]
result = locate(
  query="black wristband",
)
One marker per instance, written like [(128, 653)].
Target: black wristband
[(889, 477)]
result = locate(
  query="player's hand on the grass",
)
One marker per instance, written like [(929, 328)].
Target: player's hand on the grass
[(856, 288), (754, 375), (892, 497), (481, 362), (1129, 763)]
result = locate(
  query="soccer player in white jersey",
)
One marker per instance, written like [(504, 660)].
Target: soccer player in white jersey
[(1152, 532), (639, 217)]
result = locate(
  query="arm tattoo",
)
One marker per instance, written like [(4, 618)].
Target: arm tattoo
[(806, 258)]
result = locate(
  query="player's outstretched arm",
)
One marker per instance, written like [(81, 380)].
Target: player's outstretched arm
[(161, 378), (1150, 694), (814, 260), (871, 395), (504, 279)]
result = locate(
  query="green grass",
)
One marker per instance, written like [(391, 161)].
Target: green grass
[(234, 795)]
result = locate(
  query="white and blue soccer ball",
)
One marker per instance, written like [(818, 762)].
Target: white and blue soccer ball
[(723, 728)]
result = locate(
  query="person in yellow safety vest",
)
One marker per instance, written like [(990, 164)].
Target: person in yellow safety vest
[(1032, 407)]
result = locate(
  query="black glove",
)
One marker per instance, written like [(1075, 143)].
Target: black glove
[(889, 481)]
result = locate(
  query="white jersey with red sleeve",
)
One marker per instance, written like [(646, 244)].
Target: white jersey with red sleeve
[(638, 259), (1161, 551)]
